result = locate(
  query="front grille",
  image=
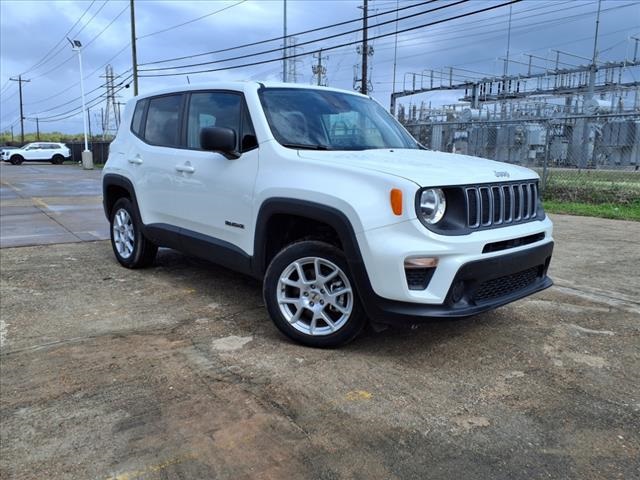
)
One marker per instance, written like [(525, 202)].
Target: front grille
[(502, 286), (501, 204)]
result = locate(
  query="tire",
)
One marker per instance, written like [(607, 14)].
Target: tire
[(131, 248), (17, 159), (57, 159), (317, 313)]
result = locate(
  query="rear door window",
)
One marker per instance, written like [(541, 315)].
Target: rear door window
[(138, 116), (163, 121)]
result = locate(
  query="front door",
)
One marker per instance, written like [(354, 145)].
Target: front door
[(217, 192)]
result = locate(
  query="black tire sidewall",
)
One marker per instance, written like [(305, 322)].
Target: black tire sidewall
[(284, 258), (17, 160), (57, 159), (134, 259)]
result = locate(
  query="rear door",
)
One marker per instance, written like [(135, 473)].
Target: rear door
[(153, 155)]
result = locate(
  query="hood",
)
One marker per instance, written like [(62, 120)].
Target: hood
[(425, 167)]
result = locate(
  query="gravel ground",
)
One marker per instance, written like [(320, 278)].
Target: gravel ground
[(177, 372)]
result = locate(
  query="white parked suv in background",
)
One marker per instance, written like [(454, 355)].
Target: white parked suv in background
[(53, 152), (325, 197)]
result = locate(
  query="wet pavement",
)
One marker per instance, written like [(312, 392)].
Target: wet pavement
[(44, 204)]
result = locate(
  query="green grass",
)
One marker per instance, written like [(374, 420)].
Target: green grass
[(603, 210), (620, 187)]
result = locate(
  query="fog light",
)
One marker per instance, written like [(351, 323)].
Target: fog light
[(421, 262)]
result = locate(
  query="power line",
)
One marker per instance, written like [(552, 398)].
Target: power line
[(328, 37), (317, 29), (64, 47), (86, 45), (85, 78), (64, 37), (456, 17), (190, 21), (521, 29), (90, 103)]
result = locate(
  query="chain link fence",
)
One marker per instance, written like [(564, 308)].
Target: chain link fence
[(590, 159)]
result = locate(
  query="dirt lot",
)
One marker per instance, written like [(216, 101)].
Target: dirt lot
[(177, 372)]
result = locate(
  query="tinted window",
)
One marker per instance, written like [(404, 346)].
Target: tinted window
[(216, 109), (163, 126), (330, 120), (138, 114)]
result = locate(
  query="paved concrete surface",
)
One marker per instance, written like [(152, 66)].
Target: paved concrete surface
[(44, 204), (177, 372)]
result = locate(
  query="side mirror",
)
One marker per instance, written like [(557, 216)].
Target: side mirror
[(219, 139)]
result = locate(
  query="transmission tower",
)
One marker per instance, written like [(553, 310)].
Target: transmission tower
[(111, 115), (292, 63)]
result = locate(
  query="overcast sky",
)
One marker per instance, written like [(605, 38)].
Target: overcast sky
[(32, 44)]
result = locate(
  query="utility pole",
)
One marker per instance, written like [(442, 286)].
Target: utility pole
[(395, 57), (12, 130), (134, 55), (284, 49), (37, 129), (20, 82), (319, 70), (365, 47)]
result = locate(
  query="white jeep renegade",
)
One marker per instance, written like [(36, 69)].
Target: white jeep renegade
[(325, 197)]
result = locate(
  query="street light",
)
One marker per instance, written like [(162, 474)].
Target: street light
[(87, 156)]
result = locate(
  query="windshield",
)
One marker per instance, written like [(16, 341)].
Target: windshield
[(327, 120)]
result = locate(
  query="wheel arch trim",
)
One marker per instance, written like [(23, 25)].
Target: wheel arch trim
[(111, 179)]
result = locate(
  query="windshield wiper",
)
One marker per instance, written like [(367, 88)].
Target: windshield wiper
[(306, 146)]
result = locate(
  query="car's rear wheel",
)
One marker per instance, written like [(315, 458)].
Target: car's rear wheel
[(57, 159), (17, 159), (311, 297), (131, 247)]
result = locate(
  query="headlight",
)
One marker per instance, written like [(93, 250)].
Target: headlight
[(432, 205)]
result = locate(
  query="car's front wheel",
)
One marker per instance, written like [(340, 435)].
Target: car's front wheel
[(17, 159), (131, 247), (311, 297)]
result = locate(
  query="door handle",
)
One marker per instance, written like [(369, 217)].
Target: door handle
[(136, 160), (185, 168)]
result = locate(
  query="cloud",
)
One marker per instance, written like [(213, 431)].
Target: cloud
[(29, 29)]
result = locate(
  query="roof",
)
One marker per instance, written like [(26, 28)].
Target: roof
[(241, 86)]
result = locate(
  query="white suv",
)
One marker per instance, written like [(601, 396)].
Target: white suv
[(325, 197), (55, 153)]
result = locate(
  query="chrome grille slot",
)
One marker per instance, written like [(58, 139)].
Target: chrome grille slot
[(501, 204)]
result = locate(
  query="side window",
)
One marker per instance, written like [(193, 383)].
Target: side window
[(136, 123), (212, 109), (163, 121)]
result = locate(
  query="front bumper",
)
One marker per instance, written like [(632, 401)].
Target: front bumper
[(478, 286)]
